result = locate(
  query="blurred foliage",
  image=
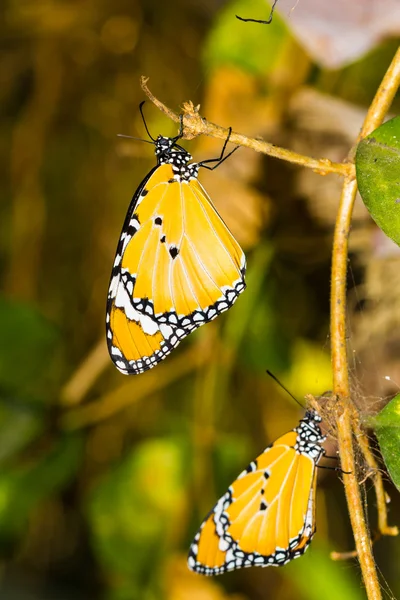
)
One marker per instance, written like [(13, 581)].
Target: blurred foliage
[(104, 480), (20, 423), (330, 580), (149, 483), (28, 343), (23, 486)]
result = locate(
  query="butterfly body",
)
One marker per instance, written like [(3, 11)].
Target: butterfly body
[(267, 516), (177, 265)]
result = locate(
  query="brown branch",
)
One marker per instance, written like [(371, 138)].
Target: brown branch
[(346, 415), (195, 125), (354, 502), (338, 288)]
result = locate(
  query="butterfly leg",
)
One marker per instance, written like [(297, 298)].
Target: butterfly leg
[(221, 157), (267, 22), (334, 469), (180, 134)]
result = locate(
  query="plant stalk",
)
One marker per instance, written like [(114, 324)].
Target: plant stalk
[(346, 413)]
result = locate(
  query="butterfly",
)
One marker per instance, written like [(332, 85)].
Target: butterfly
[(267, 516), (177, 265)]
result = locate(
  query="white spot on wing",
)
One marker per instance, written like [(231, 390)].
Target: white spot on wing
[(126, 242), (166, 330), (223, 545), (116, 351), (123, 301), (114, 286), (134, 223), (148, 325)]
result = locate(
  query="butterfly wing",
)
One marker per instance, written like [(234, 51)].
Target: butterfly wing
[(265, 518), (208, 554), (136, 342), (188, 267), (177, 266)]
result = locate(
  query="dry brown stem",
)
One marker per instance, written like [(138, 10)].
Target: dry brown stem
[(195, 125), (376, 476), (346, 415)]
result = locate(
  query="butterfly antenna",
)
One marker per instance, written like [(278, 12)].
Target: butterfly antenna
[(274, 377), (130, 137), (144, 121)]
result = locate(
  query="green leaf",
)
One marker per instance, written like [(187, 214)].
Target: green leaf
[(27, 344), (256, 48), (387, 429), (378, 176)]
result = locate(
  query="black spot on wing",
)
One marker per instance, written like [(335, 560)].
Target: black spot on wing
[(158, 221), (162, 240), (173, 251)]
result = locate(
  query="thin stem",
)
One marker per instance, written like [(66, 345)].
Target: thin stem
[(345, 412), (354, 502), (338, 288), (381, 503), (195, 125)]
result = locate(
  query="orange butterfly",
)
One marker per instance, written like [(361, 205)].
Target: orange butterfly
[(267, 516), (177, 265)]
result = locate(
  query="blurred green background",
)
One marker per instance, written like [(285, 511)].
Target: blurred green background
[(104, 480)]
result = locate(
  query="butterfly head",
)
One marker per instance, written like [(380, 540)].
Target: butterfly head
[(168, 151)]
